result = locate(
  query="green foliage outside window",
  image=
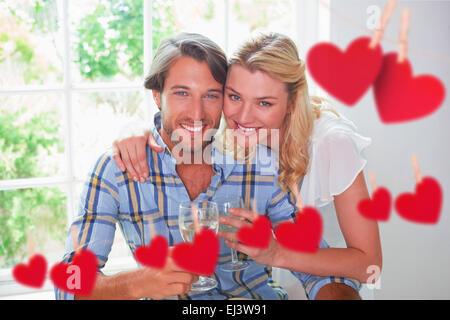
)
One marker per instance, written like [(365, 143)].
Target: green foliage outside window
[(116, 29), (24, 211)]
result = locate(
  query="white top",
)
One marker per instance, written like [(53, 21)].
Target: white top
[(335, 159)]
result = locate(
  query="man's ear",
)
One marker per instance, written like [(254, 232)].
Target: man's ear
[(157, 98)]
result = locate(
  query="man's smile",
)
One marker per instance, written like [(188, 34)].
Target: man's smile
[(193, 129)]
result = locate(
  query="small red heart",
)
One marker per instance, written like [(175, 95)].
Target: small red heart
[(77, 277), (201, 256), (345, 75), (377, 208), (154, 255), (258, 235), (32, 274), (303, 235), (401, 97), (423, 206)]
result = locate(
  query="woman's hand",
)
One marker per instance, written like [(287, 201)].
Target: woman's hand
[(245, 218), (130, 154)]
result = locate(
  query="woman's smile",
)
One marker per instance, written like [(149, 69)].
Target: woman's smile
[(245, 130)]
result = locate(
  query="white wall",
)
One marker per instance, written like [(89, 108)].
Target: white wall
[(416, 258)]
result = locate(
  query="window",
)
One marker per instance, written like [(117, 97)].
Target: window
[(72, 76)]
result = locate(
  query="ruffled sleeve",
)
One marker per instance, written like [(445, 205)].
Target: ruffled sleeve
[(336, 158)]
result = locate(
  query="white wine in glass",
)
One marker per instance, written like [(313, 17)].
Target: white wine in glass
[(207, 215), (225, 204), (188, 229)]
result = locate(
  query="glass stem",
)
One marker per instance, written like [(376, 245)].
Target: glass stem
[(234, 258)]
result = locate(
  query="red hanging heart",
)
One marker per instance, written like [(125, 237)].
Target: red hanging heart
[(154, 255), (377, 208), (401, 97), (77, 277), (32, 274), (345, 75), (201, 256), (423, 206), (258, 235), (304, 235)]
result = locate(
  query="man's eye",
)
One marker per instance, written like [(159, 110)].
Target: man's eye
[(212, 96), (181, 93), (234, 97)]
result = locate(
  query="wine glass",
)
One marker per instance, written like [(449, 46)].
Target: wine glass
[(224, 206), (207, 217)]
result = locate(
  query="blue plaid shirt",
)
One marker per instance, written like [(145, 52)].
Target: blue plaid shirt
[(110, 196)]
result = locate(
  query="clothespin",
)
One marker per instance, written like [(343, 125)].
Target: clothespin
[(254, 209), (417, 171), (403, 35), (74, 234), (298, 198), (195, 218), (30, 246), (373, 183), (384, 20), (152, 230)]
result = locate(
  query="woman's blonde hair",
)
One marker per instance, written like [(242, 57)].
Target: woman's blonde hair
[(277, 55)]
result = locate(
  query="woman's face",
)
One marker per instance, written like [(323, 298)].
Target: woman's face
[(255, 105)]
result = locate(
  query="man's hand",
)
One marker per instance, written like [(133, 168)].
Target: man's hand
[(159, 284), (143, 283), (337, 291), (129, 153)]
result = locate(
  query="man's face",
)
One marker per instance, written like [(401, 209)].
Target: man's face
[(191, 105)]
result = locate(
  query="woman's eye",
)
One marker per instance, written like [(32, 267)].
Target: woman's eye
[(265, 104), (234, 97)]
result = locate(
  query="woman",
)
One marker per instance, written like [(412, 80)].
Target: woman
[(319, 154)]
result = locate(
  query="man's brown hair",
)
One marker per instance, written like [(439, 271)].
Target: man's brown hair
[(192, 45)]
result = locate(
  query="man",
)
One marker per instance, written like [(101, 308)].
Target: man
[(187, 78)]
